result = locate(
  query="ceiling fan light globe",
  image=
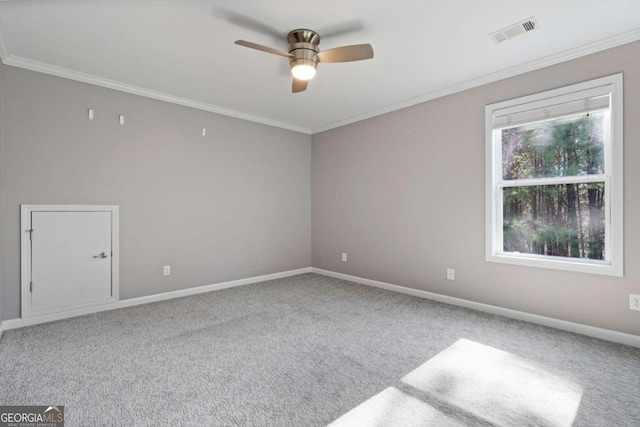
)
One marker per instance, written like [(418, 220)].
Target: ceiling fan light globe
[(303, 71)]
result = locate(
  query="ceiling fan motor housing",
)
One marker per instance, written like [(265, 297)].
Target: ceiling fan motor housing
[(303, 45), (304, 55)]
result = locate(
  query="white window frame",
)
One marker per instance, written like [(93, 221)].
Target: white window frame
[(612, 177)]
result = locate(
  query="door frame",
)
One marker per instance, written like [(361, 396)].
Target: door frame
[(25, 254)]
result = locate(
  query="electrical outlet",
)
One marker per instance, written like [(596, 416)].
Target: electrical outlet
[(344, 257), (634, 302), (451, 274), (167, 270)]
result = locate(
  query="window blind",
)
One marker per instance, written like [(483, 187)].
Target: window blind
[(546, 110)]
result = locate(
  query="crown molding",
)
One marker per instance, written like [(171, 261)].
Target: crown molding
[(66, 73), (31, 65), (611, 42), (9, 59)]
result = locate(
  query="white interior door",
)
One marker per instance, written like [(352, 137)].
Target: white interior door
[(71, 260)]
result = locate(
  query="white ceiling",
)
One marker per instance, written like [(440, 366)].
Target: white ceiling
[(182, 50)]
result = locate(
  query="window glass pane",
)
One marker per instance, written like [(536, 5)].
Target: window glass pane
[(564, 220), (567, 146)]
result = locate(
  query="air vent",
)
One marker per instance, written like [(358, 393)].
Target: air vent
[(515, 30)]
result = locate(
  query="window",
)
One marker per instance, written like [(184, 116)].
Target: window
[(554, 179)]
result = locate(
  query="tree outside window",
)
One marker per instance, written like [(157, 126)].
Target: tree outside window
[(554, 179)]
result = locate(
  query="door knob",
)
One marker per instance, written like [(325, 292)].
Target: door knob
[(101, 255)]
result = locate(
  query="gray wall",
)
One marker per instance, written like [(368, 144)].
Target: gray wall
[(232, 205), (2, 298), (403, 194)]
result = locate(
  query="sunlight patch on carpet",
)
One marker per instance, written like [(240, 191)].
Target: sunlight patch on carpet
[(471, 383), (392, 407), (497, 386)]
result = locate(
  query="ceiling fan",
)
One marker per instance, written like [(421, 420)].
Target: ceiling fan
[(304, 55)]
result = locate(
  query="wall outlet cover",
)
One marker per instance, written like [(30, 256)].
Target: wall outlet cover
[(451, 274)]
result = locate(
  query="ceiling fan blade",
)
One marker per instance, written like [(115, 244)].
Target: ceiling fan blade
[(262, 48), (356, 52), (340, 29), (248, 22), (299, 85)]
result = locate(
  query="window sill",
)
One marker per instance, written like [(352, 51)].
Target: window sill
[(558, 263)]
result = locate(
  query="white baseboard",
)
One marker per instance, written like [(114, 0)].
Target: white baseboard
[(20, 323), (591, 331)]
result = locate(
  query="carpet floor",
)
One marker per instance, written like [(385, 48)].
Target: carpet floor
[(310, 350)]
